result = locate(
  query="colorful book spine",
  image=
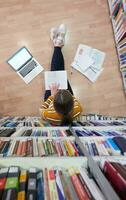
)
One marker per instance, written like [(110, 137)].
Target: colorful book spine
[(32, 184), (3, 178), (22, 185), (77, 185), (52, 185), (12, 184), (40, 186)]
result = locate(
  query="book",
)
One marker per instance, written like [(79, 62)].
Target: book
[(119, 16), (116, 180), (120, 169), (46, 185), (58, 77), (115, 8), (22, 185), (40, 186), (92, 186), (71, 183), (52, 185), (121, 142), (32, 184), (12, 184), (122, 42), (124, 78), (124, 5), (3, 178), (60, 191), (81, 192)]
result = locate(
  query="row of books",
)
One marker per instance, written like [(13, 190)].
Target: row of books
[(100, 117), (37, 147), (118, 13), (19, 118), (119, 23), (122, 56), (75, 123), (34, 132), (99, 123), (36, 121), (84, 132), (114, 2), (38, 132), (115, 146), (20, 124), (59, 183)]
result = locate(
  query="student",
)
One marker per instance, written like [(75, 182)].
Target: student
[(60, 107)]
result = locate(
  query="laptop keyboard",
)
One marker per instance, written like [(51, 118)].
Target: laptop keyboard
[(28, 68)]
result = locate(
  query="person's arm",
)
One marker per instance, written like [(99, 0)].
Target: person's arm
[(77, 108), (54, 88), (44, 109), (46, 103)]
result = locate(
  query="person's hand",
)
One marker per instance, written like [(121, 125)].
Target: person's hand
[(54, 88)]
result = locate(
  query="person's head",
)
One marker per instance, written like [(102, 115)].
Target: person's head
[(63, 104)]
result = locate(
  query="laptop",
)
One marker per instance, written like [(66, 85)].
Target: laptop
[(25, 65)]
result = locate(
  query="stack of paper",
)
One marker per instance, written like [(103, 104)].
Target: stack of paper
[(89, 62)]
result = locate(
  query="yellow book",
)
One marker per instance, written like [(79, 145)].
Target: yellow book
[(22, 182), (122, 50), (122, 42), (21, 196), (68, 148)]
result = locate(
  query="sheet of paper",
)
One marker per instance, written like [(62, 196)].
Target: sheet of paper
[(89, 61), (92, 75), (98, 57), (59, 77), (81, 51), (84, 62)]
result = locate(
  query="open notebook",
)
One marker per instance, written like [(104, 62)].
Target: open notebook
[(59, 77)]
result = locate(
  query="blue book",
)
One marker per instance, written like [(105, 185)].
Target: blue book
[(113, 144), (90, 149), (79, 133), (123, 55), (11, 124), (79, 150), (40, 186), (59, 186), (5, 149)]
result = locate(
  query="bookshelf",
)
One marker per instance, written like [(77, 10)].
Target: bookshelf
[(86, 162), (118, 18)]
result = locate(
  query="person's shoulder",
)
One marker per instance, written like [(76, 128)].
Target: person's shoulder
[(52, 115), (77, 106)]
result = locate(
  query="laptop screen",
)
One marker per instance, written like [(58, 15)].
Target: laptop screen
[(19, 58)]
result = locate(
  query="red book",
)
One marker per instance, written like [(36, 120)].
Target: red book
[(82, 195), (57, 149), (60, 149), (23, 151), (115, 179), (19, 149)]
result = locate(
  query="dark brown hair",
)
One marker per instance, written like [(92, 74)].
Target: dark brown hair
[(63, 104)]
